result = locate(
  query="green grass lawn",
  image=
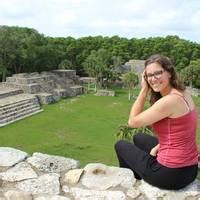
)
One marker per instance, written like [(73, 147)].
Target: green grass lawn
[(83, 128), (197, 102)]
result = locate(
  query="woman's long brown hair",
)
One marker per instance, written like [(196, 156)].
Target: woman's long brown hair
[(167, 65)]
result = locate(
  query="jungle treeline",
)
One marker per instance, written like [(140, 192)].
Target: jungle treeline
[(26, 50)]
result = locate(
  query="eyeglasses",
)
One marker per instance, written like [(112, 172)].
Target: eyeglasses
[(156, 75)]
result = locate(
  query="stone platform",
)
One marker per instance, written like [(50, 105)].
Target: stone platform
[(45, 88), (6, 92), (48, 177)]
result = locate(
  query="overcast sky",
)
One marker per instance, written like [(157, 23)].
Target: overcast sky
[(125, 18)]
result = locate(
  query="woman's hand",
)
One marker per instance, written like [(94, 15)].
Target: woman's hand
[(144, 83), (155, 150)]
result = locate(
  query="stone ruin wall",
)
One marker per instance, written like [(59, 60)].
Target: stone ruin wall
[(47, 177), (22, 94), (47, 86)]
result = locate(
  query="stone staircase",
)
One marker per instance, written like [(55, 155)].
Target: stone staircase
[(16, 107), (22, 94)]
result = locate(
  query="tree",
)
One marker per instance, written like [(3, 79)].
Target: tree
[(18, 48), (97, 65), (131, 80), (3, 72), (117, 61), (26, 50), (6, 51), (191, 74), (65, 64)]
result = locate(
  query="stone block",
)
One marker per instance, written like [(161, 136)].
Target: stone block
[(65, 73), (17, 195), (98, 176), (55, 164), (73, 176), (45, 98), (75, 90), (11, 156), (105, 93)]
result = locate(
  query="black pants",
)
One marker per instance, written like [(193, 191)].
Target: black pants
[(145, 166)]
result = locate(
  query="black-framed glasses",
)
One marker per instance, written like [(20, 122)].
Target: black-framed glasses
[(156, 75)]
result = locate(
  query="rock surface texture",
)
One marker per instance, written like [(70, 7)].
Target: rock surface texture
[(48, 177)]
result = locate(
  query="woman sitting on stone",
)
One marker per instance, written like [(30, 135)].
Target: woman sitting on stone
[(170, 160)]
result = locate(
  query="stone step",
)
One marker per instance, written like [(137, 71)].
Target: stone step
[(6, 92), (18, 110), (16, 106), (20, 116), (17, 100), (76, 90)]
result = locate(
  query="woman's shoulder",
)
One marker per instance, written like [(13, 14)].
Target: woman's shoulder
[(171, 100), (166, 103), (178, 96)]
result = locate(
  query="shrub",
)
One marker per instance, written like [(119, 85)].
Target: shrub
[(127, 133)]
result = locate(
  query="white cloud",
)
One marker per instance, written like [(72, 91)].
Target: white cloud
[(126, 18)]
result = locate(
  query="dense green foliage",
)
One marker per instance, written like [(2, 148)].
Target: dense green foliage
[(26, 50), (191, 74)]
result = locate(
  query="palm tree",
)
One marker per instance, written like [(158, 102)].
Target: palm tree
[(97, 65), (131, 80)]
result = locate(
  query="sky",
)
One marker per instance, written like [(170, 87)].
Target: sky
[(125, 18)]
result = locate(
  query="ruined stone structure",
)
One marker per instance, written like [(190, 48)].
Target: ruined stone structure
[(137, 66), (194, 91), (48, 177), (22, 94)]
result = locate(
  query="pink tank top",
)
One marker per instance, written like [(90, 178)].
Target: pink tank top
[(177, 139)]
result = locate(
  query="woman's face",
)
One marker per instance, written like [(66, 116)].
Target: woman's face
[(157, 77)]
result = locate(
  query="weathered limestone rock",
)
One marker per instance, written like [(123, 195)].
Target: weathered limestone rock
[(19, 172), (47, 184), (73, 176), (49, 164), (133, 193), (11, 156), (101, 177), (17, 195), (65, 189), (83, 194), (51, 197), (152, 192), (36, 180)]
